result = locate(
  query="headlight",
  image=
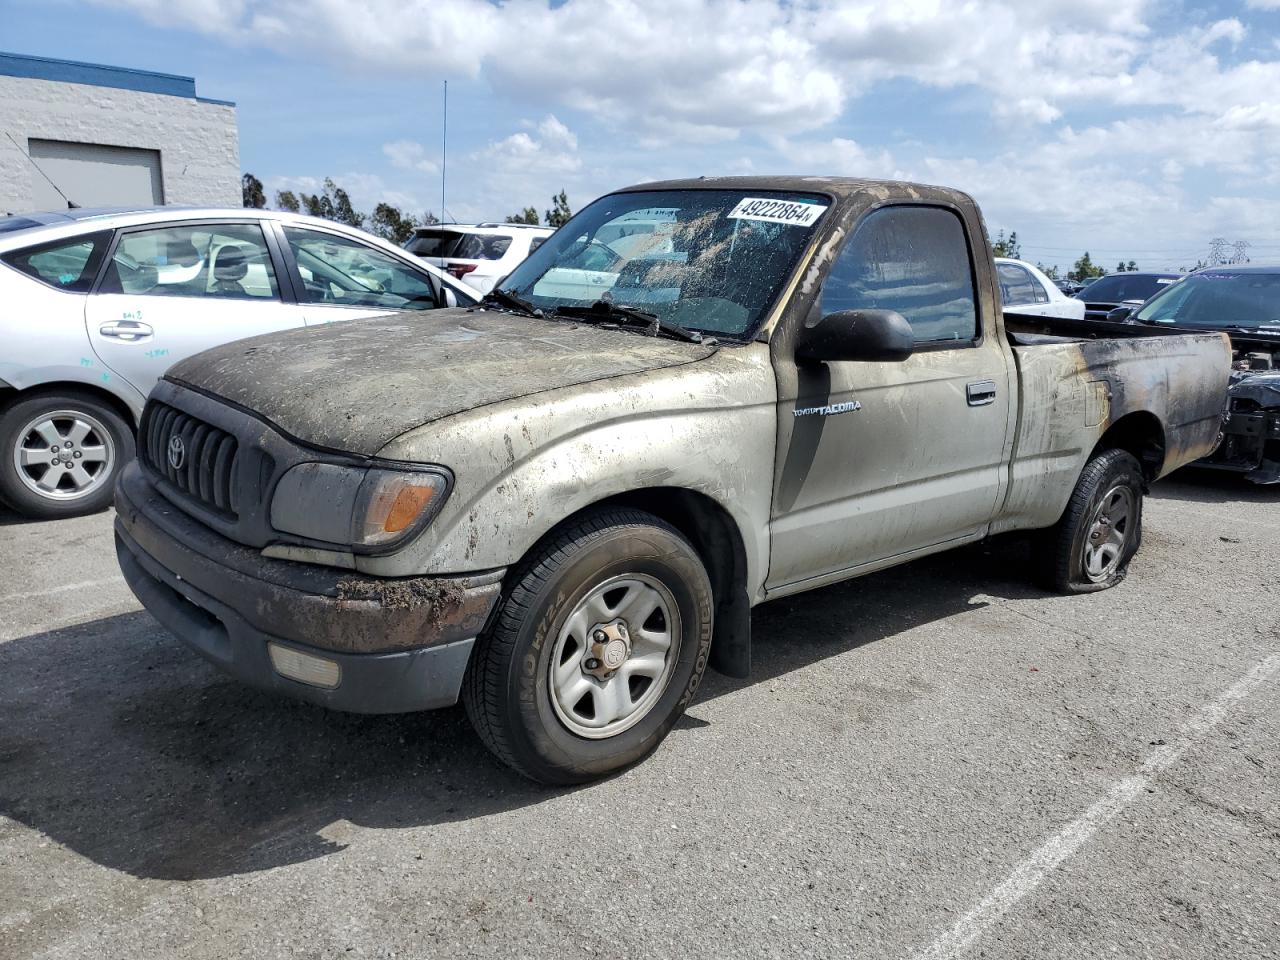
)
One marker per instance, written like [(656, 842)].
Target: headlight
[(366, 508)]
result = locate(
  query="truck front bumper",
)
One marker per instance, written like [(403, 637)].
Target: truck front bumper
[(333, 637)]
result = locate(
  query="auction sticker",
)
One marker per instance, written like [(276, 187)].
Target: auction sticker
[(778, 211)]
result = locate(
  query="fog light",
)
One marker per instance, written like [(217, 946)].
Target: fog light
[(303, 667)]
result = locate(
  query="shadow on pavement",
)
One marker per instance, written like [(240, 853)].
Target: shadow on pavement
[(1198, 485), (121, 744)]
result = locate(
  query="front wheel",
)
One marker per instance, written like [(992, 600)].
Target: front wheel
[(600, 644), (1090, 547)]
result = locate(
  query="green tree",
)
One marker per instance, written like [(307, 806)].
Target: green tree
[(1086, 269), (1120, 267), (332, 204), (1133, 267), (251, 191), (559, 213), (390, 224), (1007, 246), (1050, 272), (288, 200), (527, 215)]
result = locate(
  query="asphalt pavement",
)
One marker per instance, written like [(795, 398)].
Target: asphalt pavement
[(936, 761)]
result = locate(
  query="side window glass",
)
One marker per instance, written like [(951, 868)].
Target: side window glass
[(1017, 286), (69, 264), (228, 261), (1042, 295), (914, 260), (343, 272)]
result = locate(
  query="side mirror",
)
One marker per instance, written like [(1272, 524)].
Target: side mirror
[(447, 297), (1121, 314), (857, 335)]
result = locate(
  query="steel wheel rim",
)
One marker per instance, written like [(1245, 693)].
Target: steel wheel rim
[(1109, 532), (596, 705), (64, 455)]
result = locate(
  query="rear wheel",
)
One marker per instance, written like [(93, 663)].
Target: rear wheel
[(60, 454), (1090, 547), (599, 646)]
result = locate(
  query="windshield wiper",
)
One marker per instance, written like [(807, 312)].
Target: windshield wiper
[(509, 300), (603, 311)]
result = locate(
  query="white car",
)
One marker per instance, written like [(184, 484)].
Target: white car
[(1025, 289), (479, 254), (96, 305)]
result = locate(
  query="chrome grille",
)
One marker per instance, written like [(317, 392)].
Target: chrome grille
[(205, 455)]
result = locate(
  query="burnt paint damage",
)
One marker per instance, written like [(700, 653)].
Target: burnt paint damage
[(1150, 395), (356, 385)]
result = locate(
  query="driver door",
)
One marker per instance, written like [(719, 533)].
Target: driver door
[(878, 460)]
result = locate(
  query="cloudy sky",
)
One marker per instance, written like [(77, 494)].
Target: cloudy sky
[(1132, 129)]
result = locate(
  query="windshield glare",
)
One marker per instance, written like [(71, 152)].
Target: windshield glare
[(707, 260), (1217, 300)]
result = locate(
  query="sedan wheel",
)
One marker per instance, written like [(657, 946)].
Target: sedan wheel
[(60, 454), (64, 455)]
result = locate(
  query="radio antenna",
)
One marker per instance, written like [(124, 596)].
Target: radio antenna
[(31, 160)]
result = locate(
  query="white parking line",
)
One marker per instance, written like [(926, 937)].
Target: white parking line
[(83, 585), (1028, 874)]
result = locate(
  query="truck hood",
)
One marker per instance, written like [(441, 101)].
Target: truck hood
[(357, 385)]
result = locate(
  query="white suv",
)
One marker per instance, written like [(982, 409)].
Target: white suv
[(479, 255)]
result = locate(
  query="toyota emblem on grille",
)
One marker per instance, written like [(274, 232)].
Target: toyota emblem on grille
[(177, 453)]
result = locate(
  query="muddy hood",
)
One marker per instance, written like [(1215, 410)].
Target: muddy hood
[(355, 386)]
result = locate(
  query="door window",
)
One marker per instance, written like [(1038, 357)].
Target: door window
[(1018, 286), (226, 260), (914, 260), (342, 272), (65, 264)]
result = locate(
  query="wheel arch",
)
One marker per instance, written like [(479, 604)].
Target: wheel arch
[(10, 395), (719, 544), (1141, 434)]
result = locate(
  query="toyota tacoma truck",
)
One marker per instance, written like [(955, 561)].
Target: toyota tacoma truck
[(697, 396)]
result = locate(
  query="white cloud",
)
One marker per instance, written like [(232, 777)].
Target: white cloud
[(698, 72), (1111, 117), (838, 156), (551, 148), (410, 155)]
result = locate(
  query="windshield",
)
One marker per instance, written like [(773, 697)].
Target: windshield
[(1217, 300), (706, 260), (1117, 288)]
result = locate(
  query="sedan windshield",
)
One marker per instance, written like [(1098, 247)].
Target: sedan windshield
[(705, 260), (1218, 300), (1120, 287)]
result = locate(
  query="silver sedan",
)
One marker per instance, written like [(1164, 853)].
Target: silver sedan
[(96, 305)]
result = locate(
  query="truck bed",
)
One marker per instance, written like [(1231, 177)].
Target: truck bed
[(1080, 379)]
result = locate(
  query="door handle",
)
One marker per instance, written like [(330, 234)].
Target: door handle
[(126, 330), (981, 392)]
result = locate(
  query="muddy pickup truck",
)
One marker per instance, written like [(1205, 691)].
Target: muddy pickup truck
[(695, 397)]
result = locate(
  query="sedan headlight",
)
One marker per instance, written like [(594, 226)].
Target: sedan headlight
[(369, 509)]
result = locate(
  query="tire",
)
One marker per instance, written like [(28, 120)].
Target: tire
[(1090, 547), (522, 686), (94, 443)]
